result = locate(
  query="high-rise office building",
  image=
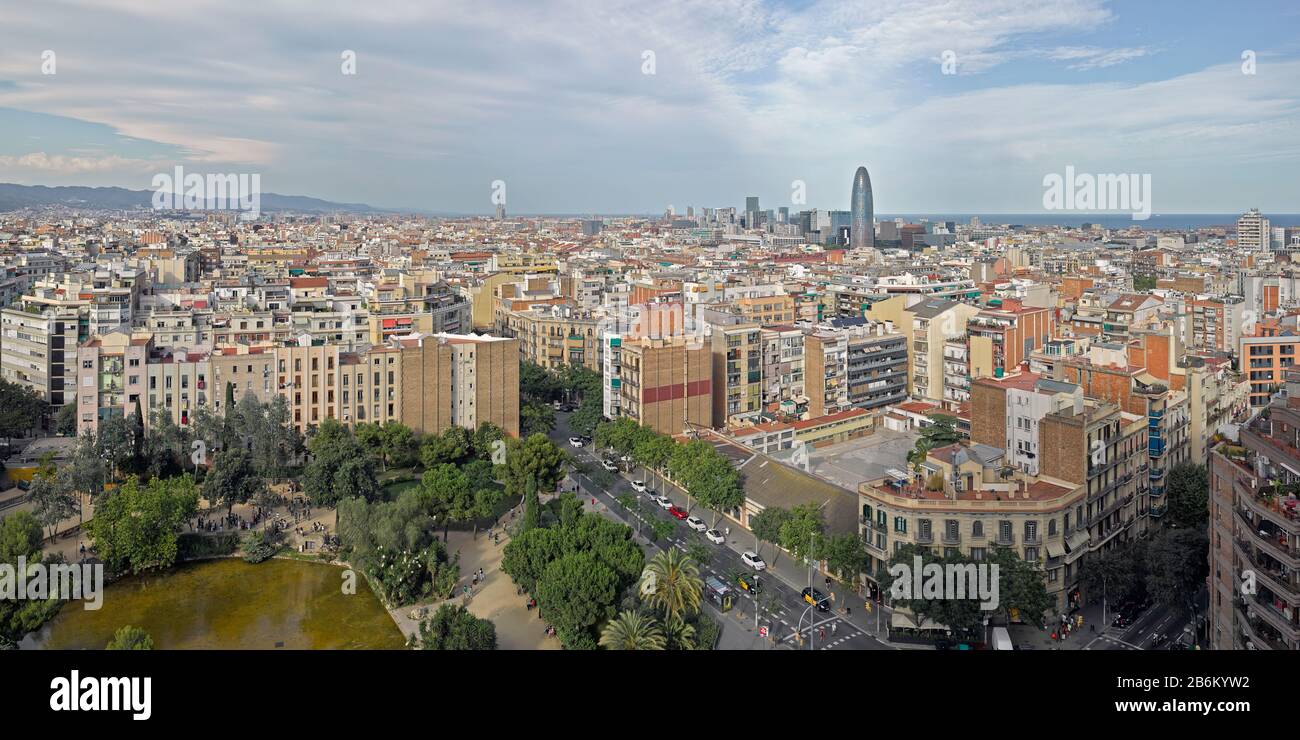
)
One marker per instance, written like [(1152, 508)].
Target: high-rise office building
[(862, 231)]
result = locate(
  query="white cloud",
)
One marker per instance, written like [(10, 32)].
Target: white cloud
[(62, 164), (1090, 57)]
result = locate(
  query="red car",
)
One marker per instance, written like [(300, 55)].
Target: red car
[(677, 513)]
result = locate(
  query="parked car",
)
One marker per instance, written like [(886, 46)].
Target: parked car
[(696, 523), (714, 536), (638, 486), (752, 559), (813, 596), (566, 407), (749, 583), (575, 441), (611, 467), (664, 502), (677, 513)]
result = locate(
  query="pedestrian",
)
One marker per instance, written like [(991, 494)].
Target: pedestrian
[(726, 531), (848, 610), (834, 626), (822, 633)]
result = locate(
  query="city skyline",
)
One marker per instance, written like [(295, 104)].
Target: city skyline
[(700, 113)]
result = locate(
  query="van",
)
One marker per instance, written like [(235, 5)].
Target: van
[(1002, 639)]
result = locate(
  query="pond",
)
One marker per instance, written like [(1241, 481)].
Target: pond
[(230, 604)]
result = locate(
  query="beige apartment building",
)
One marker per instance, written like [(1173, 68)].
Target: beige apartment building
[(737, 374)]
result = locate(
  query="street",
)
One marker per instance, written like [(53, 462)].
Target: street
[(781, 603)]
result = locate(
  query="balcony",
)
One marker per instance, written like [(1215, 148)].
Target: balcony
[(951, 538), (925, 538)]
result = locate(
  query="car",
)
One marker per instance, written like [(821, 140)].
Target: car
[(751, 558), (664, 502), (749, 583), (817, 598), (566, 408), (676, 512), (557, 405), (611, 467), (638, 486), (585, 439), (714, 536), (575, 441), (696, 523)]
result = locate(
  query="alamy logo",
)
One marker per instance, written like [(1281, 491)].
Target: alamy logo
[(948, 581), (40, 581), (194, 192), (1087, 192), (94, 694)]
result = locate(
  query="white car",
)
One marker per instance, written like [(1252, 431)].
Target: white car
[(611, 467), (714, 536), (575, 441), (696, 523), (752, 559), (664, 502), (638, 486)]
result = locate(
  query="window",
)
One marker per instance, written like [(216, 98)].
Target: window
[(900, 524), (977, 529)]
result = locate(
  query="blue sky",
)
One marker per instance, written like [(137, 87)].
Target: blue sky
[(746, 97)]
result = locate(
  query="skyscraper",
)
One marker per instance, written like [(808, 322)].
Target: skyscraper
[(862, 230)]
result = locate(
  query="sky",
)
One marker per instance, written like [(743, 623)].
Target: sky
[(609, 107)]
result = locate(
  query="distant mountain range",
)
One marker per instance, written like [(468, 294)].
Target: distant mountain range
[(14, 197)]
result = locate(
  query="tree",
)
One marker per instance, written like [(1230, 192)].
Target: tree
[(846, 556), (165, 446), (1189, 496), (452, 627), (395, 545), (962, 616), (454, 445), (1114, 574), (767, 525), (717, 484), (55, 498), (801, 533), (941, 432), (21, 409), (339, 467), (485, 440), (652, 450), (65, 421), (536, 418), (1021, 586), (671, 583), (20, 536), (446, 491), (534, 460), (1177, 566), (575, 593), (114, 443), (536, 384), (135, 528), (130, 638), (632, 631), (88, 471), (399, 445), (231, 479)]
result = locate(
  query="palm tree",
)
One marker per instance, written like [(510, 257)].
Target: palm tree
[(632, 631), (680, 634), (671, 582)]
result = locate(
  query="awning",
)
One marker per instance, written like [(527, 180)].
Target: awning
[(1055, 550), (1077, 540)]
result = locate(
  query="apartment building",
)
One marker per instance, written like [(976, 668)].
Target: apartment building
[(933, 323), (1254, 531), (737, 351), (826, 380), (664, 383), (974, 509), (1265, 358), (1103, 449), (1214, 325), (554, 336), (1002, 335), (783, 366)]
